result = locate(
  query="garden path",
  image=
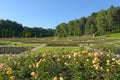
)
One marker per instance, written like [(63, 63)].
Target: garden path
[(38, 47)]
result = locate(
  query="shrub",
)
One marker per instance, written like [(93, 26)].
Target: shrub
[(85, 65)]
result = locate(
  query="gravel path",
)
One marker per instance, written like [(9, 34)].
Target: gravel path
[(38, 47)]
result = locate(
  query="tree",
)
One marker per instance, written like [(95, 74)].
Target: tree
[(10, 32), (13, 33), (13, 29), (70, 28), (61, 30), (101, 22), (0, 31), (90, 26), (28, 34), (81, 27), (116, 18), (6, 33), (3, 33)]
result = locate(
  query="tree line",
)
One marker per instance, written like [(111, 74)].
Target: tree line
[(10, 29), (98, 23)]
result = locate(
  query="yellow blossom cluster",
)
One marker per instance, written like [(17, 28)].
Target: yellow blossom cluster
[(56, 78), (9, 71), (34, 75), (63, 63), (96, 60), (12, 77), (118, 62)]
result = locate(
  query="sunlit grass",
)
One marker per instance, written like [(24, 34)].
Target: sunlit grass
[(19, 44), (59, 50), (110, 36)]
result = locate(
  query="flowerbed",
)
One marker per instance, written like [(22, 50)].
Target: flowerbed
[(12, 50), (85, 65)]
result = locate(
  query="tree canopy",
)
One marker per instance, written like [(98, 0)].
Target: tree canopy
[(9, 29), (99, 23)]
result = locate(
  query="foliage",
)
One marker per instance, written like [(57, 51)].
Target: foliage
[(62, 42), (59, 50), (9, 29), (73, 28), (85, 65), (12, 50), (28, 40), (113, 48), (90, 26), (100, 23)]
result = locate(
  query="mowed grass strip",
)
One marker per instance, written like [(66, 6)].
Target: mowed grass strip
[(59, 49), (18, 44)]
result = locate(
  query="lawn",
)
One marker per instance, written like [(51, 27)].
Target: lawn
[(18, 44), (59, 50)]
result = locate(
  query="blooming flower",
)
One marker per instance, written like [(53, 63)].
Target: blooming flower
[(108, 54), (75, 54), (107, 61), (55, 78), (9, 71), (2, 66), (96, 60), (118, 62), (108, 70), (101, 68), (96, 66), (87, 59), (30, 66), (90, 54), (33, 74), (37, 64), (113, 59), (61, 78), (12, 78), (58, 59), (96, 54), (66, 64)]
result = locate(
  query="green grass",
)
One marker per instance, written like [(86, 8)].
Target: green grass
[(3, 58), (115, 35), (59, 49), (20, 44), (4, 42), (24, 44), (111, 36), (113, 48)]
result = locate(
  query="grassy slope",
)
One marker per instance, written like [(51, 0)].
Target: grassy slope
[(111, 36), (115, 35)]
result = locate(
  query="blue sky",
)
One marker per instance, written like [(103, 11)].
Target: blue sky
[(50, 13)]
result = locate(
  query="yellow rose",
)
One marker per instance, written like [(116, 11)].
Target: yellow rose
[(12, 77), (33, 74), (55, 78)]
